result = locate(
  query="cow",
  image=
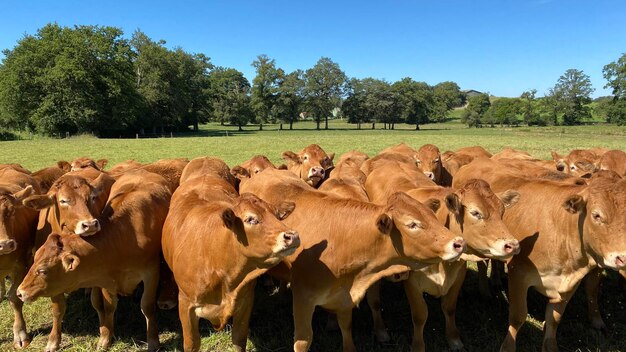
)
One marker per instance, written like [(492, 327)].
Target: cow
[(332, 269), (346, 180), (356, 156), (474, 212), (15, 167), (475, 152), (565, 231), (429, 160), (17, 233), (579, 162), (217, 243), (614, 160), (47, 176), (311, 164), (205, 165), (85, 162), (510, 153), (390, 175), (170, 169), (125, 252)]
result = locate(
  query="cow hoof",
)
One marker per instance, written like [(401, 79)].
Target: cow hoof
[(21, 340), (52, 347), (104, 345), (382, 336)]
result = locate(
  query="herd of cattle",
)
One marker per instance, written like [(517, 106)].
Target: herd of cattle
[(198, 234)]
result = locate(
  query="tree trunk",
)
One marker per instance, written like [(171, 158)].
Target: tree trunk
[(280, 127), (195, 126), (240, 129), (291, 125), (318, 124), (261, 127), (326, 123), (417, 127), (373, 125)]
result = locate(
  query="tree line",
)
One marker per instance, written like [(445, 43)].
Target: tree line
[(90, 79)]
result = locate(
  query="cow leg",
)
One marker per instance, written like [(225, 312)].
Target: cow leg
[(241, 317), (189, 321), (592, 287), (373, 300), (20, 337), (302, 321), (448, 305), (483, 280), (148, 308), (554, 313), (419, 312), (58, 305), (518, 309), (344, 317), (109, 304)]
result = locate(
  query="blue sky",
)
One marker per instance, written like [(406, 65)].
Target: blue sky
[(503, 47)]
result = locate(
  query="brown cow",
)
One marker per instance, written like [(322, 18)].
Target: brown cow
[(390, 175), (15, 167), (510, 153), (348, 245), (84, 162), (17, 234), (203, 166), (475, 152), (354, 155), (47, 176), (565, 231), (311, 164), (346, 180), (475, 213), (216, 277), (579, 162), (429, 160), (614, 160), (124, 253)]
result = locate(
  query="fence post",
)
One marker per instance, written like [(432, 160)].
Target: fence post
[(136, 135), (67, 135)]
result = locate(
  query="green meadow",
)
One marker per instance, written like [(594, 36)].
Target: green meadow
[(482, 322)]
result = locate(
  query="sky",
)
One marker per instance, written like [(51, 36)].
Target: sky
[(502, 47)]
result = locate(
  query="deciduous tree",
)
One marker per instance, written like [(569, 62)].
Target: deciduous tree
[(324, 89)]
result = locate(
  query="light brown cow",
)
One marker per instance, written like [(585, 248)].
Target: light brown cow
[(356, 156), (475, 152), (475, 213), (47, 176), (390, 175), (614, 160), (169, 169), (125, 252), (348, 245), (84, 162), (346, 180), (15, 167), (565, 231), (17, 234), (207, 166), (311, 164), (429, 160), (579, 162), (510, 153), (217, 243)]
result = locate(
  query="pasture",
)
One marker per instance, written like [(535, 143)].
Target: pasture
[(482, 322)]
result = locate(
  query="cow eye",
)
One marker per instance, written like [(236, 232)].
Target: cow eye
[(305, 157), (42, 271), (417, 161), (436, 161), (414, 225), (596, 216), (64, 201), (476, 214), (251, 220), (572, 167)]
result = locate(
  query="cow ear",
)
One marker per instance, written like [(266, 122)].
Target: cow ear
[(384, 223), (509, 197), (55, 240), (102, 163), (102, 183), (229, 218), (239, 173), (70, 262), (64, 165), (291, 157), (574, 203), (282, 167), (555, 156), (433, 204), (453, 203), (284, 209), (23, 194), (331, 156), (39, 201)]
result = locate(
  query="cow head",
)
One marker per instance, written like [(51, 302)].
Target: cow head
[(478, 211), (415, 231), (428, 159), (579, 162), (53, 271), (602, 206), (251, 167), (83, 163), (311, 164), (10, 201), (77, 202), (259, 229)]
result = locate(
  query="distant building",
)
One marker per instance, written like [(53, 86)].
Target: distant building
[(471, 93)]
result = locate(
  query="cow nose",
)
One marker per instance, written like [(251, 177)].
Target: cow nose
[(317, 171), (430, 175), (19, 295), (458, 245), (291, 238), (560, 167), (620, 261), (511, 247), (7, 246), (92, 225)]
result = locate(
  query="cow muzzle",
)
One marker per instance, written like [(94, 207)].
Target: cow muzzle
[(615, 260), (504, 249), (7, 246), (87, 227), (287, 242), (430, 175), (316, 174), (23, 296), (454, 249)]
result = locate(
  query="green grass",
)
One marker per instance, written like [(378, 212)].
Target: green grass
[(482, 323)]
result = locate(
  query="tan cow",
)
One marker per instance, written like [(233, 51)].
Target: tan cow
[(84, 162), (311, 164), (429, 160), (217, 243), (356, 156), (47, 176), (207, 166), (510, 153), (348, 245), (475, 213), (346, 180), (565, 231), (125, 252), (390, 175), (614, 160), (17, 234), (579, 162)]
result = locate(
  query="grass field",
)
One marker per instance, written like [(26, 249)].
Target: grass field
[(482, 323)]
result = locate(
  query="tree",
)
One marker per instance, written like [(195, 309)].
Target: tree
[(446, 96), (264, 88), (615, 74), (503, 111), (354, 106), (415, 101), (289, 97), (229, 92), (573, 89), (528, 108), (324, 87), (64, 79), (476, 108)]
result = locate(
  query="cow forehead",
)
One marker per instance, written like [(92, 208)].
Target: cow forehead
[(73, 184)]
